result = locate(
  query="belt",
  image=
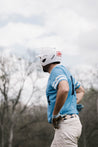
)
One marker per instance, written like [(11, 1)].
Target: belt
[(65, 117)]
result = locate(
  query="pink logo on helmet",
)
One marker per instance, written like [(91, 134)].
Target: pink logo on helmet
[(58, 53)]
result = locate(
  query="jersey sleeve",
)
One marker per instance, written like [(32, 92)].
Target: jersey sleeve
[(77, 85), (57, 76)]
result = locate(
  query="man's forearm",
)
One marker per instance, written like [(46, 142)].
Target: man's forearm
[(79, 97), (79, 94), (60, 100)]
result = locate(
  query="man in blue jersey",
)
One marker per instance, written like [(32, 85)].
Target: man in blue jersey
[(63, 94)]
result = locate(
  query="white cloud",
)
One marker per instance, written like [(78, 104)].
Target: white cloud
[(25, 8), (18, 33), (67, 25), (89, 40)]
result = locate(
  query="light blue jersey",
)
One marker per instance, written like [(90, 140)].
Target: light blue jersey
[(59, 73)]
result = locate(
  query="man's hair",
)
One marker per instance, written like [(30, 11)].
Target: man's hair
[(45, 68)]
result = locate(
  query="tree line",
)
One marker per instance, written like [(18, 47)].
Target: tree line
[(23, 125), (31, 128)]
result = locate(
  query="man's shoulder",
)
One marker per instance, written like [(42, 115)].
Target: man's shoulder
[(59, 66), (58, 70)]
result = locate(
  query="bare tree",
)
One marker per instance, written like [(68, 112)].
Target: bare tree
[(14, 73)]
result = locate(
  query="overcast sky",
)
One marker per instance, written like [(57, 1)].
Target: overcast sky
[(68, 25)]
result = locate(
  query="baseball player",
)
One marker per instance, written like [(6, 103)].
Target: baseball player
[(63, 94)]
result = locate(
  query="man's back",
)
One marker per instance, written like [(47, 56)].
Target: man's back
[(59, 73)]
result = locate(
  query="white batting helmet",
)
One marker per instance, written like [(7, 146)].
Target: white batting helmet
[(50, 56)]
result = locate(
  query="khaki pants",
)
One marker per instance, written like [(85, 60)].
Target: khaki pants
[(68, 133)]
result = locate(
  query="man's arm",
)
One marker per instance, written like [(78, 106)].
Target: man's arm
[(79, 94), (62, 93)]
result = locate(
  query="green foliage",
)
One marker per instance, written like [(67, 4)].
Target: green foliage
[(33, 130), (89, 119)]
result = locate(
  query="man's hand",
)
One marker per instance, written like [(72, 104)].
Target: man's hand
[(79, 107), (55, 121)]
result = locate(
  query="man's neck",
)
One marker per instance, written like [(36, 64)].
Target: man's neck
[(51, 67)]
